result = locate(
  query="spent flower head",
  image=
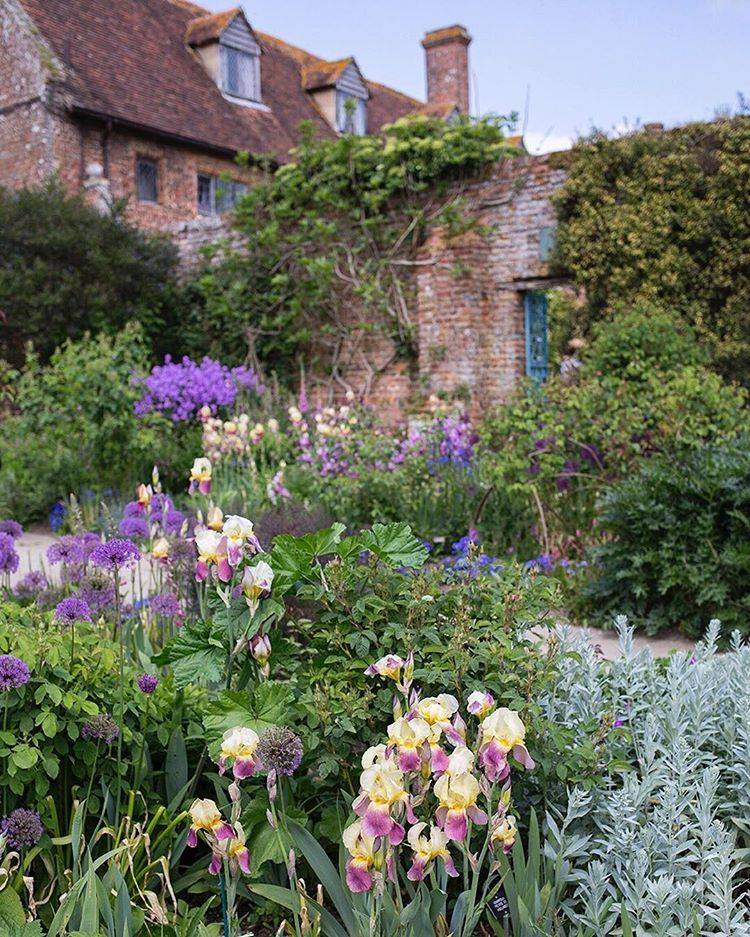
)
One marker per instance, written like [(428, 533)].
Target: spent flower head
[(101, 728), (280, 750)]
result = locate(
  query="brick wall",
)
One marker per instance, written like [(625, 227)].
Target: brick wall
[(470, 293), (28, 129)]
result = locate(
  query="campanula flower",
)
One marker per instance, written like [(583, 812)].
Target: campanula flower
[(502, 732), (205, 816), (238, 746), (408, 737), (426, 850), (364, 857), (458, 804), (200, 476)]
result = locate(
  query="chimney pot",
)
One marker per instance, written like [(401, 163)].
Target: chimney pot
[(447, 64), (654, 126)]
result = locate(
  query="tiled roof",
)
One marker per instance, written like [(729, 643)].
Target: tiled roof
[(323, 74), (209, 27), (128, 61)]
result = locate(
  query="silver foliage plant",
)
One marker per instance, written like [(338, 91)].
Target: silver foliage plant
[(661, 840)]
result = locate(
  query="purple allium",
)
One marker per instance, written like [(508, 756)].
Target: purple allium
[(97, 592), (11, 527), (102, 728), (165, 605), (31, 585), (9, 559), (73, 609), (620, 721), (133, 509), (13, 672), (173, 521), (88, 542), (66, 550), (280, 750), (22, 829), (133, 527), (181, 389), (147, 683), (115, 554)]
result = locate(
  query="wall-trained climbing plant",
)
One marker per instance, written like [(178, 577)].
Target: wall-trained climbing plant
[(329, 241), (664, 217)]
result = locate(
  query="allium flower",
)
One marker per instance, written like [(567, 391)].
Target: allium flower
[(11, 527), (13, 672), (115, 554), (66, 550), (72, 609), (133, 527), (22, 829), (147, 683), (31, 585), (280, 750), (99, 594), (165, 605), (173, 521), (9, 559), (102, 728)]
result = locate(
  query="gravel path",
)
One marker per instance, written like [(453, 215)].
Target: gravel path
[(32, 548)]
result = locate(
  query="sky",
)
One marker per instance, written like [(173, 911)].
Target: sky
[(564, 66)]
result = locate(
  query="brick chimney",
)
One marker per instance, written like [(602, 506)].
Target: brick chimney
[(447, 61)]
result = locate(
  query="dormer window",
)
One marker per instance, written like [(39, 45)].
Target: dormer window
[(340, 94), (230, 53), (351, 114)]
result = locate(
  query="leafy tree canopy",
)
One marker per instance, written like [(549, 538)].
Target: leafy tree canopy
[(665, 218)]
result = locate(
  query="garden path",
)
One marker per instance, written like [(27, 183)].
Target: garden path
[(32, 548)]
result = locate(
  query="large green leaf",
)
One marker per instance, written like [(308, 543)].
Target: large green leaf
[(176, 764), (326, 874), (197, 655), (265, 706), (394, 544), (11, 909), (292, 557)]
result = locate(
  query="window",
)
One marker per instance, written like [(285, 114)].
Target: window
[(547, 240), (146, 178), (240, 73), (535, 320), (217, 195), (351, 114)]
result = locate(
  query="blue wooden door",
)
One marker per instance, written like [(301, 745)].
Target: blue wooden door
[(535, 316)]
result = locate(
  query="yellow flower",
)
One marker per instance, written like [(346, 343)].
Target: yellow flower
[(437, 709), (457, 792), (160, 550), (504, 727)]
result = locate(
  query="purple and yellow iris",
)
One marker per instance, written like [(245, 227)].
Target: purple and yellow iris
[(238, 747)]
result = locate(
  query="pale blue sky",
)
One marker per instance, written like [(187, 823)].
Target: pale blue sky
[(579, 62)]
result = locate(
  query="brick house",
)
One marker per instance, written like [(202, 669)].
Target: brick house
[(151, 100)]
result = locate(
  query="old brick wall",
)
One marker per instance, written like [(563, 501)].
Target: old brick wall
[(28, 128), (470, 290)]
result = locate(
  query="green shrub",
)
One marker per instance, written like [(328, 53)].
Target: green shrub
[(679, 552), (639, 391), (664, 218), (74, 426), (74, 677), (67, 269)]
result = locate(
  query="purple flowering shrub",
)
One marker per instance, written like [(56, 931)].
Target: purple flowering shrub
[(181, 389)]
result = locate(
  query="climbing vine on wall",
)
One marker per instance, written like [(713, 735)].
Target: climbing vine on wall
[(665, 218), (330, 240)]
